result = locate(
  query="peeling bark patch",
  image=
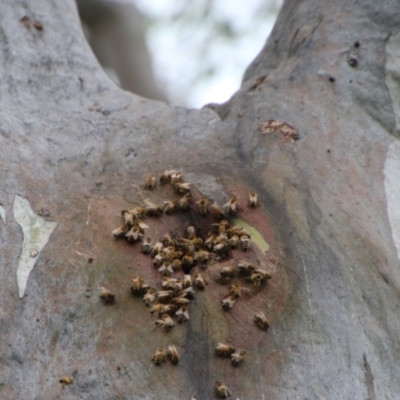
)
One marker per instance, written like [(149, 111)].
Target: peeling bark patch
[(256, 236), (392, 189), (36, 235), (275, 126), (369, 379), (3, 214)]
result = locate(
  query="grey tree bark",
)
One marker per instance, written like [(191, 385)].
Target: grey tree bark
[(77, 149)]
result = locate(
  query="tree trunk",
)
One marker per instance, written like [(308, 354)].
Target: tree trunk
[(76, 150)]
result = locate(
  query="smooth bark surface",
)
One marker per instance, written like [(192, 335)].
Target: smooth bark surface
[(78, 149)]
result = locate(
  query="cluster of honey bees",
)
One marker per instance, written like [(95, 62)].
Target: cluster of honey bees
[(180, 260)]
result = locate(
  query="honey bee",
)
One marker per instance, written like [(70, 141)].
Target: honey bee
[(180, 301), (138, 285), (166, 269), (231, 207), (229, 302), (134, 234), (173, 355), (202, 206), (199, 281), (184, 201), (187, 261), (106, 295), (156, 249), (142, 226), (178, 284), (191, 230), (176, 264), (166, 177), (164, 296), (223, 226), (224, 350), (261, 321), (245, 242), (209, 242), (128, 218), (119, 232), (153, 211), (220, 244), (176, 177), (150, 296), (253, 199), (166, 322), (159, 356), (187, 245), (238, 357), (182, 187), (150, 182), (162, 309), (236, 230), (158, 259), (168, 283), (227, 272), (197, 242), (202, 256), (260, 276), (146, 246), (187, 281), (169, 206), (188, 292), (235, 291), (217, 211), (245, 268), (66, 380), (233, 242), (221, 390), (182, 314)]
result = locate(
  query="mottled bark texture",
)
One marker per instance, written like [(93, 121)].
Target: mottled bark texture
[(78, 149)]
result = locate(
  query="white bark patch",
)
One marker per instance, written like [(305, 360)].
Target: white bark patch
[(392, 188), (36, 232), (3, 214)]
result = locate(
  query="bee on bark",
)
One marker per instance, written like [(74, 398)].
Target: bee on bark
[(168, 283), (150, 182), (217, 211), (180, 301), (164, 296), (150, 296), (106, 295), (187, 281), (166, 177), (236, 230), (176, 177), (228, 303), (221, 390), (176, 264), (223, 226), (199, 281), (209, 242), (202, 206), (158, 260), (224, 350), (169, 206), (165, 322), (119, 232), (182, 314), (156, 249), (184, 201), (202, 256), (191, 231), (245, 242), (66, 380), (178, 284), (153, 211), (182, 187), (221, 244), (187, 261), (235, 291), (261, 321), (260, 276), (238, 357), (231, 207), (173, 355), (134, 234), (228, 272), (146, 246), (138, 285), (162, 309), (197, 242), (245, 268), (188, 292), (253, 199), (166, 268), (159, 356), (233, 242), (128, 218)]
